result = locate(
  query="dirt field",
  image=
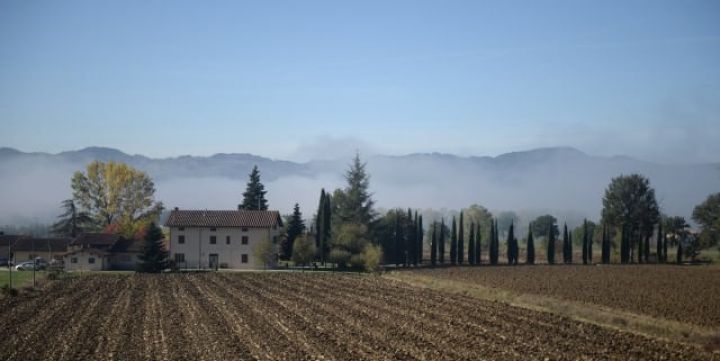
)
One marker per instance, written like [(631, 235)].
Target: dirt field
[(294, 316), (682, 293)]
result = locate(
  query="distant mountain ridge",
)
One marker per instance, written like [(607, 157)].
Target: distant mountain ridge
[(562, 178)]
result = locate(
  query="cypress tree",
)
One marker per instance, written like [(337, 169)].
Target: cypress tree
[(441, 241), (492, 244), (603, 240), (679, 255), (410, 238), (478, 245), (421, 238), (640, 252), (496, 242), (461, 240), (453, 243), (585, 243), (511, 248), (565, 244), (658, 243), (646, 248), (530, 247), (551, 246), (570, 249), (472, 253), (665, 246), (433, 247), (590, 246), (319, 224), (327, 226)]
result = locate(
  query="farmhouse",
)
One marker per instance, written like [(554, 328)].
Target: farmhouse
[(99, 251), (29, 248), (221, 238)]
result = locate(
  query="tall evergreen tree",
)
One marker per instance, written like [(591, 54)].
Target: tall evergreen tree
[(659, 243), (471, 245), (355, 205), (441, 241), (493, 243), (254, 195), (410, 241), (570, 248), (319, 221), (73, 221), (511, 247), (585, 243), (461, 240), (327, 228), (478, 245), (590, 244), (551, 246), (665, 247), (646, 248), (565, 242), (154, 257), (679, 255), (453, 242), (433, 246), (530, 247), (399, 240), (296, 227), (421, 239), (605, 245)]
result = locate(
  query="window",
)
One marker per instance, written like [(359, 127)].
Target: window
[(244, 229), (227, 239), (244, 258), (73, 260), (181, 228), (91, 260), (244, 240), (213, 239), (213, 229), (179, 257), (181, 239)]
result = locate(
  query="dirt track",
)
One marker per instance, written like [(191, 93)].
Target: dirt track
[(291, 316)]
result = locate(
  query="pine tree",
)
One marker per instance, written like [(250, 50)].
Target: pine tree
[(461, 240), (585, 243), (296, 227), (530, 247), (356, 203), (453, 243), (478, 245), (154, 257), (254, 196), (551, 246), (73, 221), (433, 247), (471, 245), (441, 241)]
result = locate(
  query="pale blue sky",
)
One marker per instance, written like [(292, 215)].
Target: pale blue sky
[(275, 78)]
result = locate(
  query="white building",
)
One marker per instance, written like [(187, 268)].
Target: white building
[(222, 239)]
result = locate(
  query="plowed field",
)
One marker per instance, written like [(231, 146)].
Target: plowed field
[(680, 293), (293, 316)]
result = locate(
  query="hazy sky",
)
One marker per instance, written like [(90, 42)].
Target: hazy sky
[(307, 79)]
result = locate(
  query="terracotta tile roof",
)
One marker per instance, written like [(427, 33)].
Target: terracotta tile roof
[(240, 218), (41, 244)]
